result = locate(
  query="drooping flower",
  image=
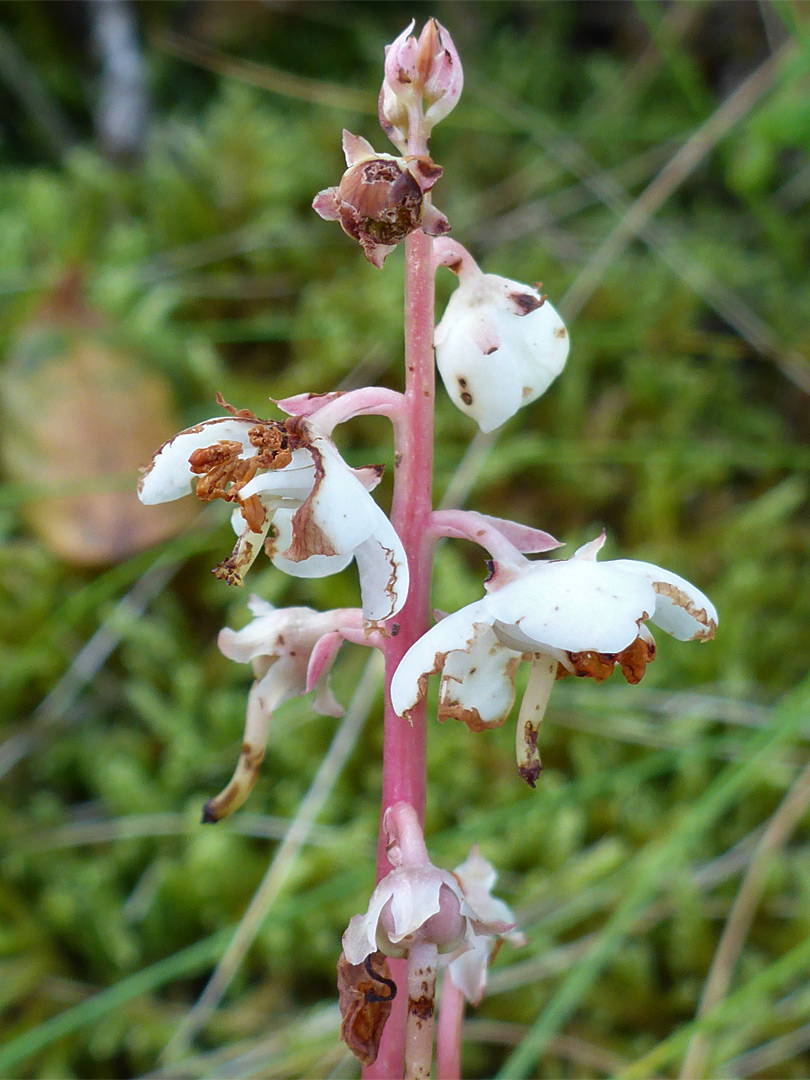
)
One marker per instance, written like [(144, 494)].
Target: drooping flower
[(292, 651), (500, 344), (573, 616), (415, 903), (423, 81), (288, 475), (381, 198), (477, 877)]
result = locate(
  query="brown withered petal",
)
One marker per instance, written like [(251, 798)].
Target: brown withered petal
[(365, 993), (379, 200)]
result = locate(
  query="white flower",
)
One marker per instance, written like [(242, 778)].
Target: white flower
[(477, 877), (415, 903), (290, 475), (574, 616), (292, 651), (500, 344)]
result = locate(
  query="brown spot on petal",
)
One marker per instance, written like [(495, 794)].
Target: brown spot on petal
[(365, 993), (471, 717), (560, 332), (526, 302)]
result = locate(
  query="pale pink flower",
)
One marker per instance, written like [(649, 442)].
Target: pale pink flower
[(292, 651), (416, 903), (477, 877), (422, 84)]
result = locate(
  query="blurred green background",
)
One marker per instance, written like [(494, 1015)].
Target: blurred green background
[(649, 163)]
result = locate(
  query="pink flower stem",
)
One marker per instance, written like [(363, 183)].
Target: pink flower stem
[(448, 1031), (404, 743)]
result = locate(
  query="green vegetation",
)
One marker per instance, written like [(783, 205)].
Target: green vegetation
[(667, 811)]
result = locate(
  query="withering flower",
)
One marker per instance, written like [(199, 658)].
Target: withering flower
[(573, 616), (289, 475), (292, 651), (381, 198), (415, 903)]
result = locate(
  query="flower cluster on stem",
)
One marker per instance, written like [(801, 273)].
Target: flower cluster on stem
[(499, 345)]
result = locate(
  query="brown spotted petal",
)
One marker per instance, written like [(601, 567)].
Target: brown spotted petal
[(588, 616), (500, 344), (680, 609), (427, 656), (478, 683), (338, 521)]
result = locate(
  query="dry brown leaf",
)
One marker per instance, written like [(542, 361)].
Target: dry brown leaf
[(78, 412)]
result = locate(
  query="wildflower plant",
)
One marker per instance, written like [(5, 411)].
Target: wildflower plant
[(499, 345)]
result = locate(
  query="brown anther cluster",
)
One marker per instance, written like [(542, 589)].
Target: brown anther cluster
[(223, 472), (273, 444), (218, 466)]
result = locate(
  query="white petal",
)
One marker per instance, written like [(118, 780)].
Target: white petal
[(485, 385), (293, 482), (469, 970), (315, 566), (383, 569), (258, 638), (427, 655), (541, 341), (285, 679), (360, 938), (169, 476), (493, 358), (574, 605), (414, 899), (478, 687), (680, 609), (340, 504)]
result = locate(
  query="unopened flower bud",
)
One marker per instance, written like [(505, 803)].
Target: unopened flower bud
[(381, 198), (423, 81)]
